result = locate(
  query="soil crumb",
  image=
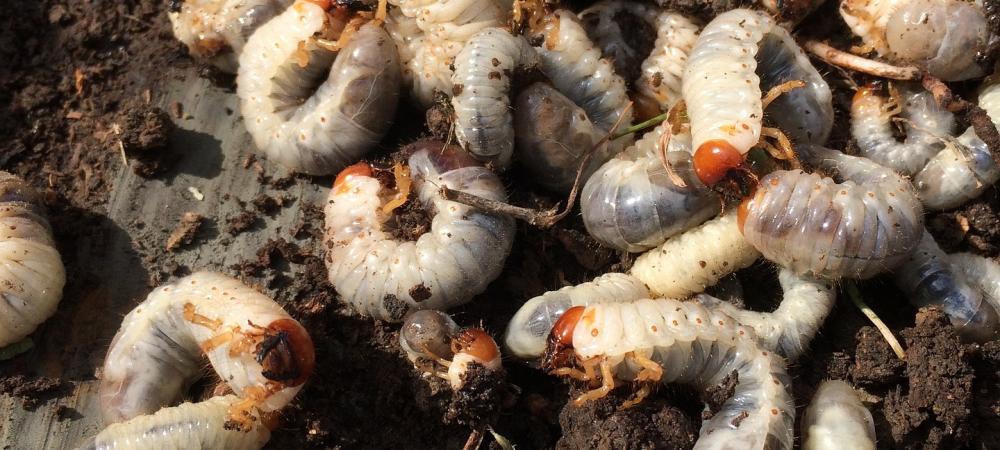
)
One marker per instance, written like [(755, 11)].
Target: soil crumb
[(185, 232), (874, 361), (32, 391), (934, 412), (603, 425)]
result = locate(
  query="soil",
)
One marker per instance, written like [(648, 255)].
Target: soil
[(77, 102)]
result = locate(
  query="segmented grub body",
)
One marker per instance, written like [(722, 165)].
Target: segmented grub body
[(659, 86), (553, 135), (633, 202), (463, 251), (965, 167), (872, 128), (811, 224), (575, 67), (311, 109), (688, 263), (188, 425), (790, 328), (683, 342), (927, 277), (431, 33), (253, 345), (528, 329), (217, 30), (836, 420), (738, 54), (481, 87), (32, 275), (943, 37)]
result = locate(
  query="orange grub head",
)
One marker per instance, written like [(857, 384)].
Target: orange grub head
[(714, 159)]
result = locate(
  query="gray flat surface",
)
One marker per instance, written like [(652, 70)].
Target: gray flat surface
[(71, 345)]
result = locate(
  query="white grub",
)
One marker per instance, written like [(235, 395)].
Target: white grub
[(790, 328), (982, 272), (217, 30), (253, 345), (943, 37), (619, 28), (836, 420), (659, 86), (815, 226), (32, 275), (737, 55), (530, 326), (669, 341), (463, 251), (965, 168), (690, 262), (575, 67), (430, 34), (481, 87), (634, 202), (435, 344), (928, 277), (558, 125), (553, 135), (189, 425), (656, 74), (926, 126), (311, 109)]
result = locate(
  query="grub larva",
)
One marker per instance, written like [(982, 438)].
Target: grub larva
[(965, 168), (943, 37), (32, 275), (813, 225), (431, 339), (789, 329), (312, 109), (188, 425), (530, 326), (688, 263), (927, 277), (575, 67), (604, 21), (481, 92), (983, 273), (253, 345), (633, 202), (430, 34), (836, 420), (737, 55), (217, 30), (463, 251), (872, 128), (553, 135), (659, 85), (666, 341)]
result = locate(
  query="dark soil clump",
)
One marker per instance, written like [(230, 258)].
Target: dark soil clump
[(603, 425), (935, 411)]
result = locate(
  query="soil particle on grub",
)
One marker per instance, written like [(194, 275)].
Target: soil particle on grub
[(603, 425), (935, 409), (715, 396)]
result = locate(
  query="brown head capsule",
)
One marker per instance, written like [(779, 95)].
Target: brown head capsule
[(714, 159), (472, 345), (561, 338), (286, 353)]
